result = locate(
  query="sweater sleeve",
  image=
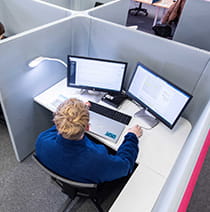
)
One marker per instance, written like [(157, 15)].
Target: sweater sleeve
[(122, 163), (129, 149)]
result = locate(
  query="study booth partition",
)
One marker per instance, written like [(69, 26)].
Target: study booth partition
[(194, 23), (19, 17), (77, 5), (114, 11), (19, 85), (186, 66), (28, 37)]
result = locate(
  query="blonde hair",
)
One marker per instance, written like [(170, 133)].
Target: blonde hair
[(71, 119)]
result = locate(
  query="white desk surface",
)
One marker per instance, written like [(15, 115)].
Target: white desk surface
[(159, 149)]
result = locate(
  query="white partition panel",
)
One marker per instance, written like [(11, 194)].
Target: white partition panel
[(183, 65), (115, 11), (193, 27), (19, 84), (80, 35), (78, 5), (201, 95), (61, 3), (19, 16), (87, 4), (173, 60)]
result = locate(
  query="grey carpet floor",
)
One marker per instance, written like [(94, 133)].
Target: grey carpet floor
[(23, 186)]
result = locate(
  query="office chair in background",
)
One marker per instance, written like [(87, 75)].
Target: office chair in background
[(138, 9), (72, 188)]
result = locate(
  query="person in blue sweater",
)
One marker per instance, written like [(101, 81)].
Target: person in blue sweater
[(66, 149)]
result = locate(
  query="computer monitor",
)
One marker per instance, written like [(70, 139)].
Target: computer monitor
[(95, 74), (164, 100)]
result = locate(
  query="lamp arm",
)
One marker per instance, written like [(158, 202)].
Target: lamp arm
[(58, 60), (38, 60)]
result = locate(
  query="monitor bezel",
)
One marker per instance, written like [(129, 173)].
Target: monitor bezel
[(92, 87), (136, 99)]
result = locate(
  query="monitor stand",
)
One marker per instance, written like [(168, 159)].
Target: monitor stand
[(147, 117), (91, 95)]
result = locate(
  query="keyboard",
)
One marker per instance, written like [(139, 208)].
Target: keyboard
[(110, 113)]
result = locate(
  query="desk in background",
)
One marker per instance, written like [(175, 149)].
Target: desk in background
[(159, 149), (165, 4)]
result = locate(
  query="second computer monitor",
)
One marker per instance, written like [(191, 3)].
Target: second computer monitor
[(160, 97), (95, 74)]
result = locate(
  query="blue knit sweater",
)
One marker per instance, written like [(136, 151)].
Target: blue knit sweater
[(83, 160)]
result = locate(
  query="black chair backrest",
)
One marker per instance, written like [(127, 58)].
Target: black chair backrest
[(72, 188), (63, 179)]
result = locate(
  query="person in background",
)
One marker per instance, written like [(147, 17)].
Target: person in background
[(2, 31), (66, 149), (170, 20), (174, 12)]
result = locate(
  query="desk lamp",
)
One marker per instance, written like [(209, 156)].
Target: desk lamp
[(35, 62)]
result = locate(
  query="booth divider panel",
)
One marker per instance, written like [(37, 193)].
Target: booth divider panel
[(201, 96), (80, 35), (61, 3), (19, 84), (77, 5), (193, 27), (115, 12), (179, 63), (19, 16)]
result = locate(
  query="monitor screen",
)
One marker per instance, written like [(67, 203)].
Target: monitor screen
[(95, 74), (160, 97)]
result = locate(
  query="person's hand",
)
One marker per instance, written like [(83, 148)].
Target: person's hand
[(137, 130), (88, 104)]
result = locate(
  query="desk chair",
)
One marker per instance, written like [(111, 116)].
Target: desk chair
[(139, 9), (72, 188)]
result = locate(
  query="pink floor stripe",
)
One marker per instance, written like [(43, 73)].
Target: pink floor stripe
[(189, 190)]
